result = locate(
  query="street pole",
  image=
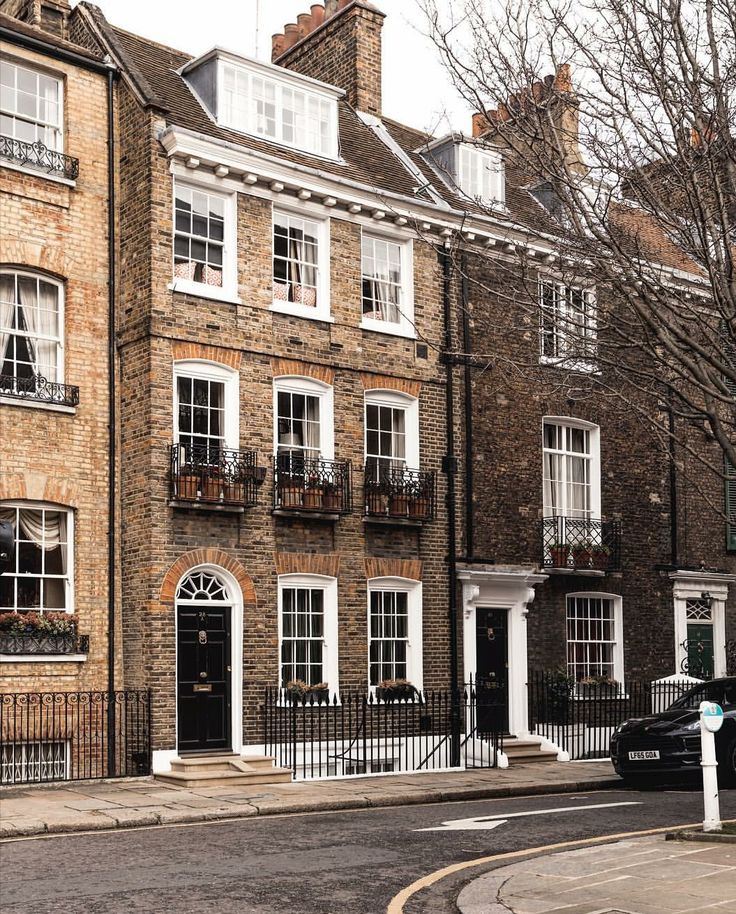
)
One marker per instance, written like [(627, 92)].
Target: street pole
[(711, 720)]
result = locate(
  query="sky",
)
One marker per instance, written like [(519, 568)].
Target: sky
[(416, 91)]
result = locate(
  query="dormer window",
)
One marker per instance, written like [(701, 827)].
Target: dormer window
[(476, 172), (266, 101)]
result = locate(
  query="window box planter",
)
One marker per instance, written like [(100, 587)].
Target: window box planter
[(376, 502), (398, 505), (291, 496), (299, 693), (418, 506), (313, 497), (34, 643), (396, 691), (187, 486)]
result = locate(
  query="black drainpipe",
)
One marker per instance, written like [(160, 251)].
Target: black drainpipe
[(469, 512), (674, 557), (112, 427), (449, 466)]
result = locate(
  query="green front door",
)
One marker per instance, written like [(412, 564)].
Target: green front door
[(700, 649)]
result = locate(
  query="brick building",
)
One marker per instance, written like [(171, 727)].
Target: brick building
[(54, 367)]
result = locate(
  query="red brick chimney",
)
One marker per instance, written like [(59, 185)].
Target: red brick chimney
[(338, 43)]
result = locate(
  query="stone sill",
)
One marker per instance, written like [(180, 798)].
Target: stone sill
[(27, 403), (578, 572), (207, 506), (38, 173), (389, 521), (302, 514), (43, 658)]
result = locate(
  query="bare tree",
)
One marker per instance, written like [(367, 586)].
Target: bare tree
[(635, 165)]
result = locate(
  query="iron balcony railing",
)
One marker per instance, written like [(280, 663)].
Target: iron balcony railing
[(581, 544), (396, 492), (213, 475), (37, 155), (36, 643), (303, 483), (37, 388)]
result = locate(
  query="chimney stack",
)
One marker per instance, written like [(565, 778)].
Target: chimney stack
[(338, 43)]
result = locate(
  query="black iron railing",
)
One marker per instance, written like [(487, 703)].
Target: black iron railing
[(66, 736), (581, 717), (213, 475), (37, 155), (39, 389), (39, 643), (396, 492), (581, 544), (319, 736), (303, 483)]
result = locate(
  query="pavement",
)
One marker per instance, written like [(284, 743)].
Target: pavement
[(635, 876), (134, 802)]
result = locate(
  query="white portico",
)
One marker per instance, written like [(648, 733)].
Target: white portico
[(507, 591)]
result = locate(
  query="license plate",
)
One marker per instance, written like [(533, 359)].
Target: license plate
[(643, 755)]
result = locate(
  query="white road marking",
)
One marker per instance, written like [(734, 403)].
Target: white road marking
[(478, 823)]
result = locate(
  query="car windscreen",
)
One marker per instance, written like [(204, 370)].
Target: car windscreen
[(709, 691)]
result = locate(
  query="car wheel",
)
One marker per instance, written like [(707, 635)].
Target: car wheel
[(727, 766), (636, 781)]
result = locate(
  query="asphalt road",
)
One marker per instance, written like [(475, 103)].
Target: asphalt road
[(329, 863)]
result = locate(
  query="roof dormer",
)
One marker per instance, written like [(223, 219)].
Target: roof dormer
[(267, 102), (476, 171)]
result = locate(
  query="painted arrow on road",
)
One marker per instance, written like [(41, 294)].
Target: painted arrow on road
[(485, 823)]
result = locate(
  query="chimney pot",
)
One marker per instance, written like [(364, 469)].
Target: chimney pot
[(563, 78), (304, 24), (291, 34), (480, 123), (330, 8), (318, 14), (278, 45)]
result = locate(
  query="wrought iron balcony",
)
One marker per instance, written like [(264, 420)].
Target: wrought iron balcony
[(214, 476), (39, 389), (581, 544), (311, 484), (37, 155), (398, 493)]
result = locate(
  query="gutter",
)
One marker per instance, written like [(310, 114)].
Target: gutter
[(31, 43)]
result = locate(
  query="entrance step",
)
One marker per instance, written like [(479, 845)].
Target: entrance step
[(224, 770), (526, 751)]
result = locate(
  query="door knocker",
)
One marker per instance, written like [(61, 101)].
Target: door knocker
[(491, 634), (203, 637)]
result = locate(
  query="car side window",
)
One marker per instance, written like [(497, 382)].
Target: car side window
[(729, 696)]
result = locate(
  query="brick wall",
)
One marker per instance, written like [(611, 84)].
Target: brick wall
[(48, 455)]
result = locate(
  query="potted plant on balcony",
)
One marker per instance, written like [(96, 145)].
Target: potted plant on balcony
[(390, 690), (37, 633), (418, 505), (299, 692), (599, 686), (398, 505), (559, 553), (314, 492), (212, 484), (332, 497), (234, 488), (582, 554), (187, 483), (600, 556)]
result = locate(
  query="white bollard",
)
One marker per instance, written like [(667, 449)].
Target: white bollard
[(711, 719)]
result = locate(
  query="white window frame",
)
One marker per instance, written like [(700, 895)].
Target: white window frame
[(396, 400), (312, 388), (414, 649), (229, 289), (70, 533), (594, 464), (58, 146), (43, 277), (570, 358), (321, 311), (328, 585), (405, 325), (211, 371), (618, 616), (490, 169), (326, 145)]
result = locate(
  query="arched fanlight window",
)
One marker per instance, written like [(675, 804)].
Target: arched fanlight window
[(202, 586)]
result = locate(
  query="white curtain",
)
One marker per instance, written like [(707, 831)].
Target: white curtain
[(551, 484), (46, 530), (39, 303), (578, 490), (7, 303), (398, 439), (312, 435)]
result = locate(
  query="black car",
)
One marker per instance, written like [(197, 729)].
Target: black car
[(668, 743)]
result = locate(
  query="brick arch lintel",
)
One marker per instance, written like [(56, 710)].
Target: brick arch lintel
[(394, 568), (38, 487), (208, 556), (323, 373), (36, 256), (327, 564), (181, 350), (386, 382)]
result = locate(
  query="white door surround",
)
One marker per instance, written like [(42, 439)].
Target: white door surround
[(512, 590), (690, 585)]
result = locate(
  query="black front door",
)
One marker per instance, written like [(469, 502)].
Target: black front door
[(203, 679), (491, 655)]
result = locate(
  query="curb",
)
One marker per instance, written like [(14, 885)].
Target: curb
[(141, 818)]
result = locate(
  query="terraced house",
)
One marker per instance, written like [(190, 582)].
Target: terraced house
[(56, 602)]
